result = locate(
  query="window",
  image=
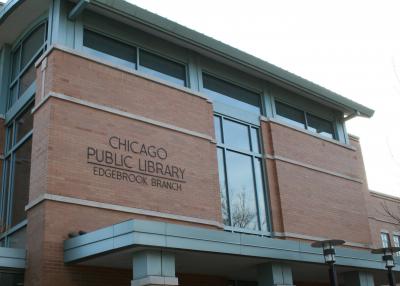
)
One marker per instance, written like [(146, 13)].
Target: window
[(16, 178), (230, 94), (302, 119), (23, 58), (240, 174), (125, 54), (396, 240), (385, 239)]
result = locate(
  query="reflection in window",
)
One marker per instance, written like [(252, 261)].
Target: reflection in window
[(16, 175), (385, 239), (240, 175), (231, 94), (23, 59), (109, 46), (126, 54), (304, 120), (290, 114), (162, 68)]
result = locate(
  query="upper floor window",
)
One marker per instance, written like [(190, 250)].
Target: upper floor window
[(240, 174), (385, 239), (302, 119), (16, 178), (231, 94), (136, 58), (23, 58)]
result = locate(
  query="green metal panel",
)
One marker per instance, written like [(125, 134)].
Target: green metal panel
[(4, 77), (270, 274), (134, 233), (12, 258)]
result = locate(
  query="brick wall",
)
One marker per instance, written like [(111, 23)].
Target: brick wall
[(380, 220), (309, 200)]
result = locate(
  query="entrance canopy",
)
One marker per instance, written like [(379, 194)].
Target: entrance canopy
[(127, 236), (12, 259)]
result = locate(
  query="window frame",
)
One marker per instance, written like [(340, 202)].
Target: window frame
[(254, 156), (135, 66), (305, 112), (13, 107), (10, 149), (387, 237)]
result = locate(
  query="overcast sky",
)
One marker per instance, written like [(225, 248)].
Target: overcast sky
[(350, 47)]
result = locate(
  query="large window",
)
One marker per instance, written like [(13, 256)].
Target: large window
[(240, 174), (136, 58), (23, 58), (302, 119), (231, 94), (385, 239), (16, 176)]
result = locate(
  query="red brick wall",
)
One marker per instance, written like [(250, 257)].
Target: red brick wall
[(310, 202), (380, 220), (63, 131)]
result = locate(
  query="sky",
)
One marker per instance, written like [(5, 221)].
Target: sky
[(350, 47)]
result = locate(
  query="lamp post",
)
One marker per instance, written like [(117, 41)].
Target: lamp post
[(389, 261), (328, 247)]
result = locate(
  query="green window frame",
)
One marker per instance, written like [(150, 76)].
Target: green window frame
[(23, 57), (305, 120), (16, 178), (140, 59), (241, 175)]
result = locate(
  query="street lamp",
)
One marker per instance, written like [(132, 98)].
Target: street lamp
[(388, 259), (328, 247)]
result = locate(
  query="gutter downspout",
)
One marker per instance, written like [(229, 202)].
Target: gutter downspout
[(78, 9)]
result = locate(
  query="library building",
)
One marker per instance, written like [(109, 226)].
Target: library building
[(135, 151)]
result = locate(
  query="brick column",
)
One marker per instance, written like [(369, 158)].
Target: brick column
[(356, 278), (275, 274), (154, 268)]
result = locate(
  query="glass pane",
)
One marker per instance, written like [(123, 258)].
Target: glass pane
[(231, 94), (385, 240), (4, 197), (21, 182), (162, 68), (236, 135), (27, 79), (11, 279), (17, 239), (222, 187), (260, 194), (13, 94), (32, 44), (255, 140), (320, 126), (109, 46), (24, 123), (217, 127), (10, 134), (290, 114), (15, 63), (242, 199)]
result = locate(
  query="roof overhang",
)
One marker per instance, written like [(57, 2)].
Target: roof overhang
[(12, 259), (16, 16), (207, 46), (136, 234)]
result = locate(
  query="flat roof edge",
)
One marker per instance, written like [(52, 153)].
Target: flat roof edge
[(203, 41)]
